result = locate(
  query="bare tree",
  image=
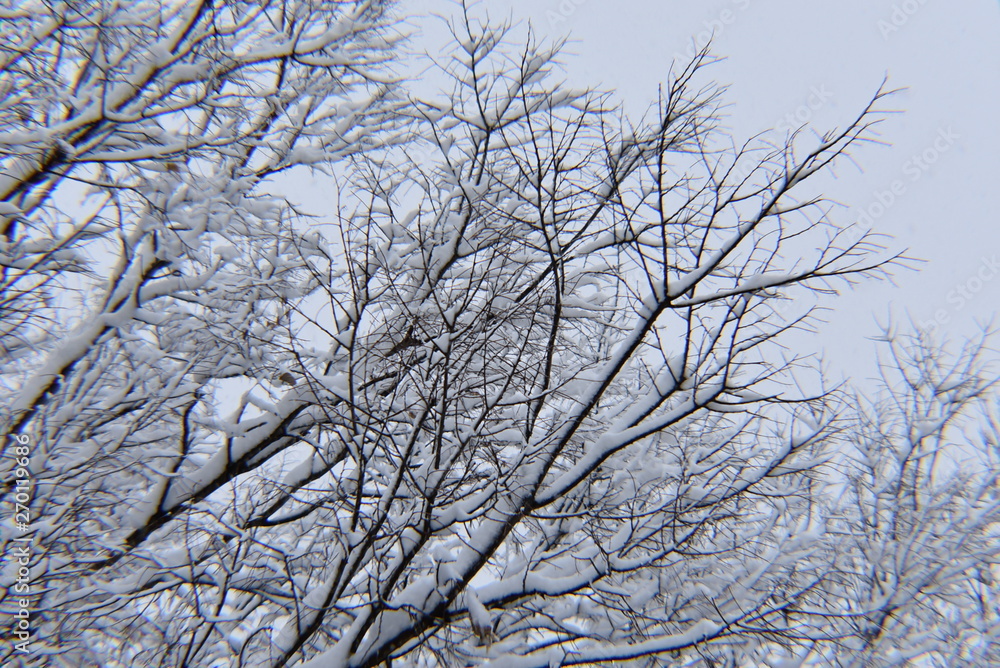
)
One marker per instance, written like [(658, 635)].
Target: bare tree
[(915, 535), (518, 401), (121, 313)]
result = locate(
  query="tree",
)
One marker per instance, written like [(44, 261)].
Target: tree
[(914, 536), (122, 314), (518, 400)]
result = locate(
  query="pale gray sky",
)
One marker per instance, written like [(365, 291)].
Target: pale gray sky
[(823, 61)]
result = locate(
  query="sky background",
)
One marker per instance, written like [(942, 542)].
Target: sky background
[(823, 61)]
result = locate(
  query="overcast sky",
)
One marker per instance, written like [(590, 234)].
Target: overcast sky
[(822, 61)]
